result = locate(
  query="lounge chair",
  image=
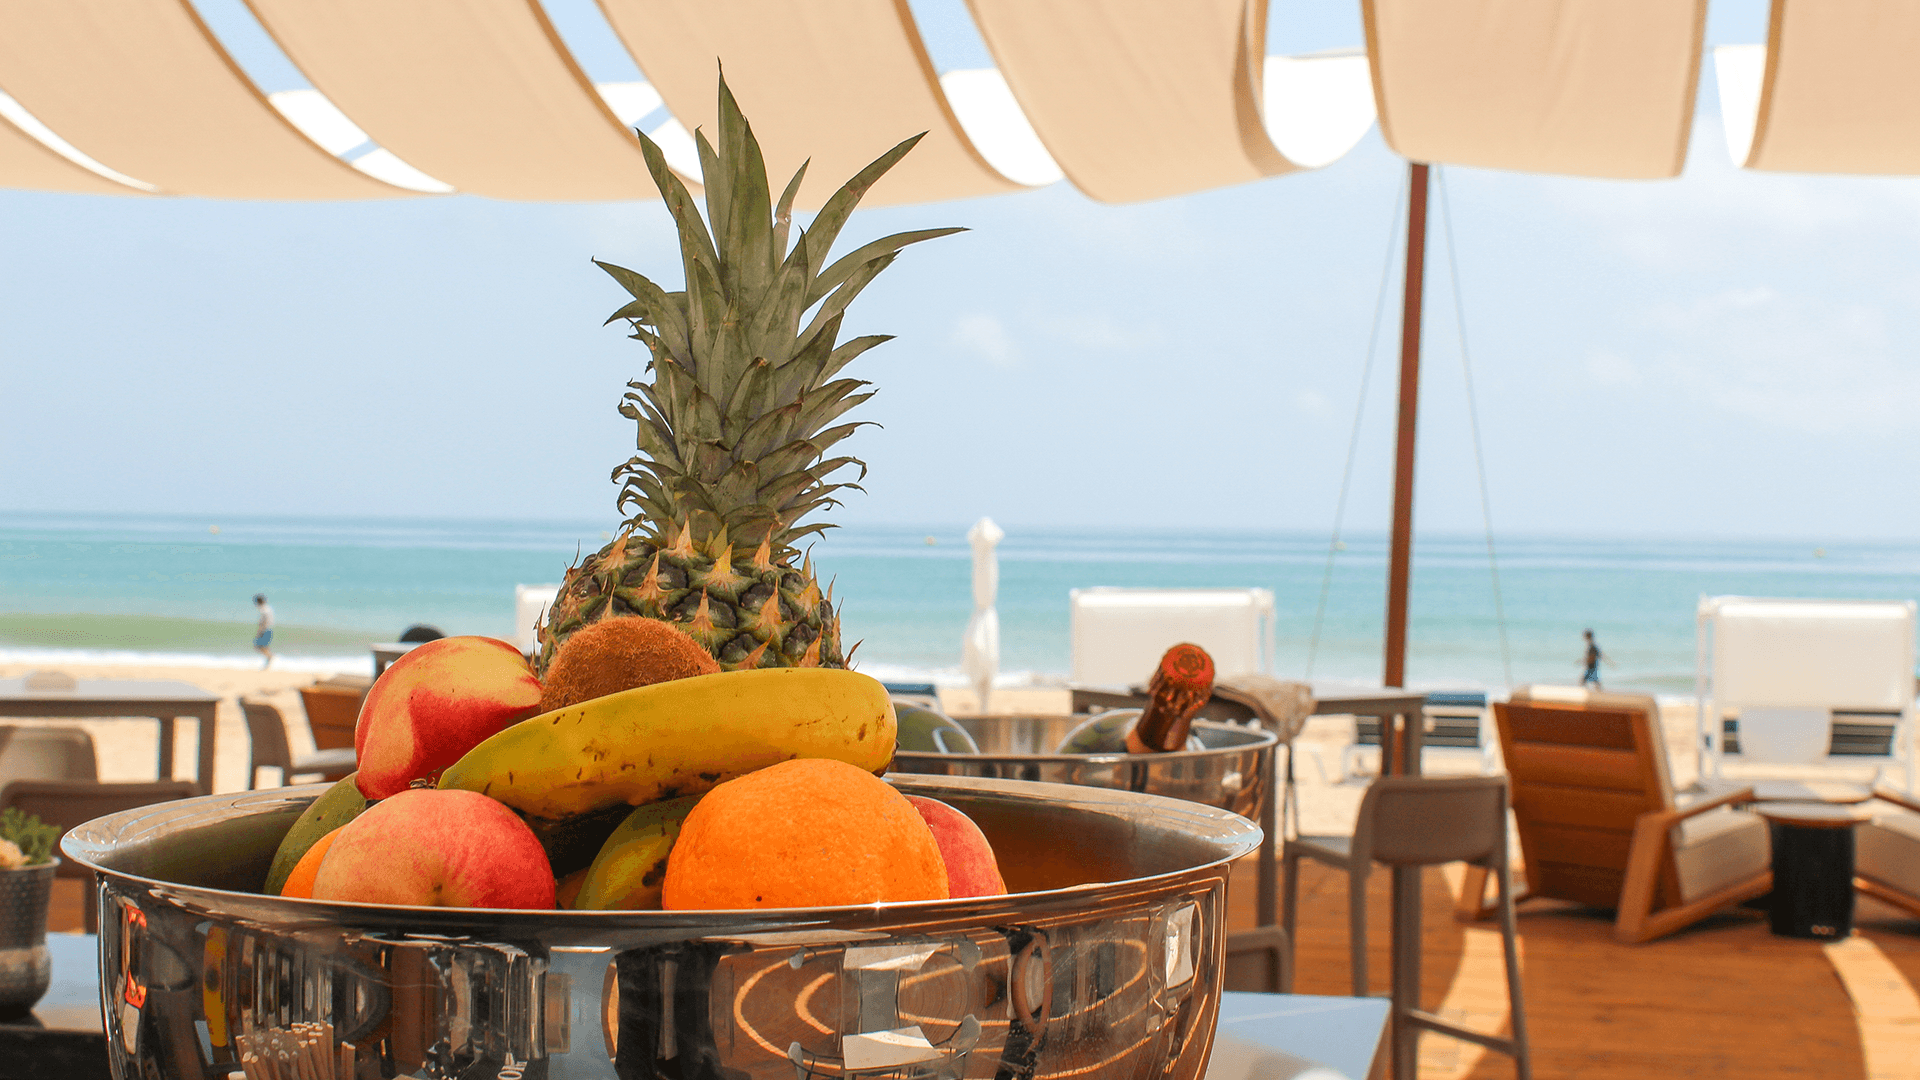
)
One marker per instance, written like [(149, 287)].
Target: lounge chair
[(1599, 822), (1886, 853), (333, 708), (1118, 635)]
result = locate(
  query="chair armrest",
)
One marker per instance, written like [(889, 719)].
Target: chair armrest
[(1740, 795), (1652, 836), (1896, 799)]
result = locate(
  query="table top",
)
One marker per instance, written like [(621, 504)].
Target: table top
[(109, 691), (1368, 703), (1814, 815), (1258, 1033), (1298, 1036)]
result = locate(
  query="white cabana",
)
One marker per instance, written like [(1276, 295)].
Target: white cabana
[(1119, 634), (1789, 666)]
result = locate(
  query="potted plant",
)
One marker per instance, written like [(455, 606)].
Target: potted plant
[(27, 867)]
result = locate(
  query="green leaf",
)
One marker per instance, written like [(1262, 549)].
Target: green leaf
[(783, 213), (696, 247), (833, 216), (745, 232), (844, 266), (834, 305)]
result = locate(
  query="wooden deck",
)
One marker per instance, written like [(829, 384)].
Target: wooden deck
[(1723, 999)]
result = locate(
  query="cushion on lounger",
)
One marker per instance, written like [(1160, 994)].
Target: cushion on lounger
[(1887, 850), (1717, 849)]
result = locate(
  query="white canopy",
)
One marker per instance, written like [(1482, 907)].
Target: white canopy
[(1129, 99)]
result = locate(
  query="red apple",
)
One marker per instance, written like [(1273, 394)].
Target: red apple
[(971, 868), (436, 703), (437, 848)]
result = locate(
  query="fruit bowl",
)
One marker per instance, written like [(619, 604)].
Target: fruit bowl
[(1104, 961)]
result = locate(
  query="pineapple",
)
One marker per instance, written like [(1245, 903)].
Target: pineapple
[(738, 417)]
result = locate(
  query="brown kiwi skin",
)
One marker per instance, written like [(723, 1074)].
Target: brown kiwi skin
[(619, 654)]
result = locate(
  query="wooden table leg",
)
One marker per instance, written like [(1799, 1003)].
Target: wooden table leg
[(209, 729), (164, 769)]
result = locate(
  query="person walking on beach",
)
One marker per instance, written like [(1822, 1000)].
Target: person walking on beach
[(1594, 656), (264, 637)]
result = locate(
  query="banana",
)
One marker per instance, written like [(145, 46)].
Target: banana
[(633, 862), (679, 738)]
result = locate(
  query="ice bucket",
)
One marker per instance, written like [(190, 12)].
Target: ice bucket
[(1232, 771), (1104, 962)]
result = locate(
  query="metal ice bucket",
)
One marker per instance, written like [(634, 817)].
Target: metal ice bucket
[(1103, 963), (1233, 771)]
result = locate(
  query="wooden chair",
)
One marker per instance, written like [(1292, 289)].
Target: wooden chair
[(47, 753), (270, 749), (1886, 853), (333, 709), (67, 803), (1259, 961), (1599, 823)]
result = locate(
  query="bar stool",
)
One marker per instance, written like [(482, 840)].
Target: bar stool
[(1419, 821)]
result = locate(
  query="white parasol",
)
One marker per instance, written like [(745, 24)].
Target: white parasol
[(980, 658)]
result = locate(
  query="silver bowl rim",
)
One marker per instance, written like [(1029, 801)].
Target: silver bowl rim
[(1240, 835), (1263, 739)]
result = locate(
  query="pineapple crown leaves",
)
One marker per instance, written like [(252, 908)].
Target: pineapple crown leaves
[(738, 416)]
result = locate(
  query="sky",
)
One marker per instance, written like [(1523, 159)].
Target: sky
[(1724, 354)]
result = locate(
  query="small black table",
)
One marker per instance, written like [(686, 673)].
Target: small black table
[(63, 1037), (1812, 867)]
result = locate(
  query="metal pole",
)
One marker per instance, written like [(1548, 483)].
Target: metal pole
[(1400, 558)]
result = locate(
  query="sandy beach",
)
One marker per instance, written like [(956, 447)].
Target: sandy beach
[(127, 749)]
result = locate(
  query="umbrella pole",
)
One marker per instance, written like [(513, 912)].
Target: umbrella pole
[(1400, 557)]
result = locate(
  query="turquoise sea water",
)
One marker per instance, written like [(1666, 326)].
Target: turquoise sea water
[(81, 587)]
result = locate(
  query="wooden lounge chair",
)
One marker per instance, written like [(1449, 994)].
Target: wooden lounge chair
[(1886, 853), (333, 708), (1599, 823)]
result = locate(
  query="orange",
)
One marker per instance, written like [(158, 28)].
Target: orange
[(300, 878), (810, 832)]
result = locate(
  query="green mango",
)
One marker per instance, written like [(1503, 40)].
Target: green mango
[(632, 864), (923, 731), (339, 804)]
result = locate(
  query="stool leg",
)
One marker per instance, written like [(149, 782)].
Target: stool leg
[(1516, 1000), (1289, 888), (1357, 926)]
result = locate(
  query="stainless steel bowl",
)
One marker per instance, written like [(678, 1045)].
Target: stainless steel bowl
[(1104, 962), (1232, 772)]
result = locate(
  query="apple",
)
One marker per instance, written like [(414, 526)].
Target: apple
[(436, 703), (436, 848), (971, 868)]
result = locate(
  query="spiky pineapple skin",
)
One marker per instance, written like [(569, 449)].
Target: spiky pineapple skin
[(760, 615)]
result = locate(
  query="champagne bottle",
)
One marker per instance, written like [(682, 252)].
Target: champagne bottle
[(1181, 685), (1180, 688)]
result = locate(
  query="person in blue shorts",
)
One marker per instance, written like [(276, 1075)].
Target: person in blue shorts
[(1594, 656), (264, 637)]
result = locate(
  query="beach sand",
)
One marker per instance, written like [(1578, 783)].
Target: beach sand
[(1328, 804)]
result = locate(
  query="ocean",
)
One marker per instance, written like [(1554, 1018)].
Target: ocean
[(174, 590)]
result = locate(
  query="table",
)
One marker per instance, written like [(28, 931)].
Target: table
[(64, 1036), (1260, 1035), (1812, 867), (1283, 1036), (163, 700)]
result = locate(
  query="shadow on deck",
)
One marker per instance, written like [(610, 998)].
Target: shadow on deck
[(1723, 998)]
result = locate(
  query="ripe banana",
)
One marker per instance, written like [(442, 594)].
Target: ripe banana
[(633, 862), (679, 738)]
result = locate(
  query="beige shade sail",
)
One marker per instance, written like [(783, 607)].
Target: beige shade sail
[(141, 87), (1143, 99), (1835, 90), (835, 81), (1600, 88), (478, 94), (27, 162)]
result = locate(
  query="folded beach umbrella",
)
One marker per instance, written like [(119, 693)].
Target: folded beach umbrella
[(980, 657)]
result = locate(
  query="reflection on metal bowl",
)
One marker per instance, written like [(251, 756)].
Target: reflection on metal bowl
[(1231, 773), (1104, 963)]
